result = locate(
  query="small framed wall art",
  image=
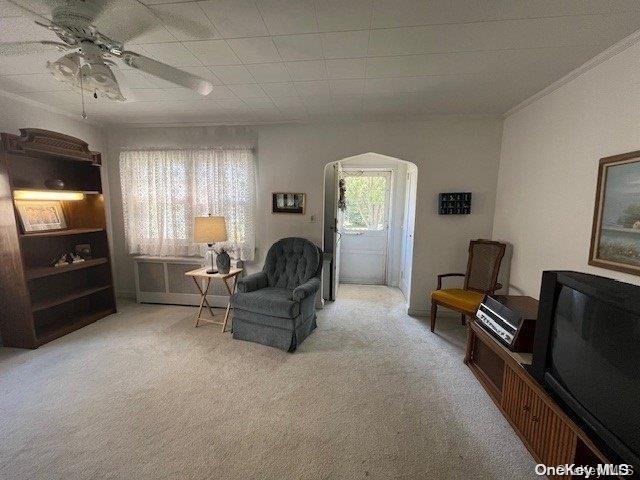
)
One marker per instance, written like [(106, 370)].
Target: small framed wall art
[(287, 202), (39, 216), (615, 235)]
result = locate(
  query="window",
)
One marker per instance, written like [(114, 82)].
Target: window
[(367, 197), (163, 190)]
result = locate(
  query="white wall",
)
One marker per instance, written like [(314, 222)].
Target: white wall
[(549, 167), (17, 113), (452, 153)]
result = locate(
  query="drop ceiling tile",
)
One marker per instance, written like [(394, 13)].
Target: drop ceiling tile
[(278, 90), (233, 74), (235, 18), (132, 23), (255, 50), (315, 88), (213, 52), (481, 62), (345, 44), (285, 17), (504, 35), (231, 103), (220, 92), (336, 15), (260, 102), (350, 86), (307, 70), (31, 63), (203, 72), (249, 90), (7, 9), (42, 82), (299, 47), (398, 13), (174, 54), (345, 68), (288, 102), (402, 84), (186, 21), (23, 29), (269, 72), (181, 93)]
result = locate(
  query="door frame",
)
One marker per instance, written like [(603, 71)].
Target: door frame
[(392, 171), (408, 230)]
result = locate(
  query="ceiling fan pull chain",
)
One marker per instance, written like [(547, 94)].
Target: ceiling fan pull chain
[(84, 113)]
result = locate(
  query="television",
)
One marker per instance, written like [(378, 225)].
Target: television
[(587, 355)]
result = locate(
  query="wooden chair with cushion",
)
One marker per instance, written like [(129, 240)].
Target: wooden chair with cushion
[(483, 267)]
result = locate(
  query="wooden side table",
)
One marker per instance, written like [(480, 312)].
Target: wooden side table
[(201, 273)]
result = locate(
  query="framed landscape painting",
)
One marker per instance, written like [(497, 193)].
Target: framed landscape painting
[(615, 238)]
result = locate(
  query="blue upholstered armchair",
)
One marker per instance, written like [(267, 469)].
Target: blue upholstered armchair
[(276, 306)]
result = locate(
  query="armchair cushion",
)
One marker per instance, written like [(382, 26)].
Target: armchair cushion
[(291, 262), (308, 288), (275, 302), (252, 282), (458, 299)]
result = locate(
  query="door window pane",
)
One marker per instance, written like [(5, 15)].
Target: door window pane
[(366, 196)]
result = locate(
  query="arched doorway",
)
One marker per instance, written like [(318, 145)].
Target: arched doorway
[(369, 217)]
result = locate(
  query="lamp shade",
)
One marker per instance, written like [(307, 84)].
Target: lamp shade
[(209, 230)]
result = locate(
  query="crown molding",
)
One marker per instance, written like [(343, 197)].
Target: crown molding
[(49, 108), (602, 57)]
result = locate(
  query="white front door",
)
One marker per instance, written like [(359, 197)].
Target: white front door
[(365, 227)]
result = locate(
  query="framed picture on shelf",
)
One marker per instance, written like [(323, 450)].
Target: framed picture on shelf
[(288, 202), (615, 237), (39, 216)]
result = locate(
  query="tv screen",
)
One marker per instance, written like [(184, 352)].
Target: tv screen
[(592, 355)]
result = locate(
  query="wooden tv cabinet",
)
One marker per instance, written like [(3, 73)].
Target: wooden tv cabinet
[(549, 434)]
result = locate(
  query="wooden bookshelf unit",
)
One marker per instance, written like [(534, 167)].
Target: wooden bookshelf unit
[(546, 430), (42, 302)]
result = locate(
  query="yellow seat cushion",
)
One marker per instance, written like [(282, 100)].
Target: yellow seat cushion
[(458, 298)]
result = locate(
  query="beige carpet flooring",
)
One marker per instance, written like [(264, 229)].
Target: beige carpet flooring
[(371, 394)]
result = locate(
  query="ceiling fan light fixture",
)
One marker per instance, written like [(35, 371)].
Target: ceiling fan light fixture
[(66, 69)]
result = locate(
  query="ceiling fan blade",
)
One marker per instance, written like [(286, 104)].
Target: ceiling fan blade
[(40, 19), (25, 48), (167, 72), (125, 20)]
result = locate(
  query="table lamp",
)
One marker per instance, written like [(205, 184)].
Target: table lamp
[(210, 230)]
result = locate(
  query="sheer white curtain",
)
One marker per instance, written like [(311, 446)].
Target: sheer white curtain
[(163, 190)]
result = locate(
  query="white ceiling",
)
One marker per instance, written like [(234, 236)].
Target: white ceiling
[(302, 60)]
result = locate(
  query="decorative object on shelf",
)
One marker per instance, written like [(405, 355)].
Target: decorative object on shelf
[(342, 202), (37, 216), (455, 203), (287, 202), (67, 258), (615, 237), (54, 184), (210, 230), (83, 250), (223, 260)]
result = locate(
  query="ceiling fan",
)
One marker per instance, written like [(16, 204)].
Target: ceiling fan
[(90, 55)]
